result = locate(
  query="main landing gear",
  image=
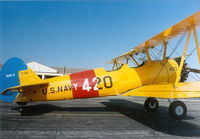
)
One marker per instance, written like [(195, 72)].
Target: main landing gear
[(151, 104), (177, 109), (21, 108)]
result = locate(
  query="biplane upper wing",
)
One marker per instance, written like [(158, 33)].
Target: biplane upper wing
[(182, 90), (162, 37)]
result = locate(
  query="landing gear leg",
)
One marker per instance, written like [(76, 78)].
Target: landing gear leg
[(151, 104), (21, 108), (177, 110)]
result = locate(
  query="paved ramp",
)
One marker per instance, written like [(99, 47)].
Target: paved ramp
[(110, 117)]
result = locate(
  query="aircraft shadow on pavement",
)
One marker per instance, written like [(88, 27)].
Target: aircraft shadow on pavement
[(159, 121), (41, 109)]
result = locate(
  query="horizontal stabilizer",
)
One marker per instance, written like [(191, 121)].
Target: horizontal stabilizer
[(20, 87)]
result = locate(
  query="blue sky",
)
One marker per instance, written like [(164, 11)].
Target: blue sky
[(84, 34)]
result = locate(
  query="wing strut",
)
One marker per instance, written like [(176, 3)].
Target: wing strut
[(197, 42), (147, 52), (113, 65), (134, 60), (165, 51), (183, 58)]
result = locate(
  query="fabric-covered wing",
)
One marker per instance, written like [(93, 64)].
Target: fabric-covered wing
[(183, 90), (163, 37)]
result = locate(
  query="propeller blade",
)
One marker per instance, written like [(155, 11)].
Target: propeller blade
[(194, 70)]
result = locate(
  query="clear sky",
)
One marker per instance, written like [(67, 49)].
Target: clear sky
[(84, 34)]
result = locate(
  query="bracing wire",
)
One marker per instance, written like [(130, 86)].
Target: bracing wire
[(157, 50), (197, 76), (192, 77), (160, 53), (178, 43), (172, 49), (152, 53), (191, 53)]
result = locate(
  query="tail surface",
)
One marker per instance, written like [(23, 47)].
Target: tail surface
[(15, 73)]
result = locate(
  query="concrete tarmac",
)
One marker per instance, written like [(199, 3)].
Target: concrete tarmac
[(108, 117)]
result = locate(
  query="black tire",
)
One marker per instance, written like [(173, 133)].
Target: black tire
[(177, 110), (151, 104)]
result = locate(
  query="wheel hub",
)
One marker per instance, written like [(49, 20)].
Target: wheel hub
[(179, 110), (152, 105)]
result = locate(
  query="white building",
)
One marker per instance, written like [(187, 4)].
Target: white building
[(43, 71)]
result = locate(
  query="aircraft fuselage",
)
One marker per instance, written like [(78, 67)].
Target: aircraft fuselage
[(99, 82)]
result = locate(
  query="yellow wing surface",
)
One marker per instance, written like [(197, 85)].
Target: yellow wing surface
[(183, 90), (163, 37)]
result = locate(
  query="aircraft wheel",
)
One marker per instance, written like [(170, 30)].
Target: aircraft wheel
[(151, 104), (20, 109), (177, 110)]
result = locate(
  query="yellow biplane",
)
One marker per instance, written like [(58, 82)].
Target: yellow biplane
[(151, 78)]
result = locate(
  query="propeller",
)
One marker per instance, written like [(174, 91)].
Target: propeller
[(185, 70), (194, 70)]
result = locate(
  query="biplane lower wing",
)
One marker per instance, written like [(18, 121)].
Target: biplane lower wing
[(183, 90)]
